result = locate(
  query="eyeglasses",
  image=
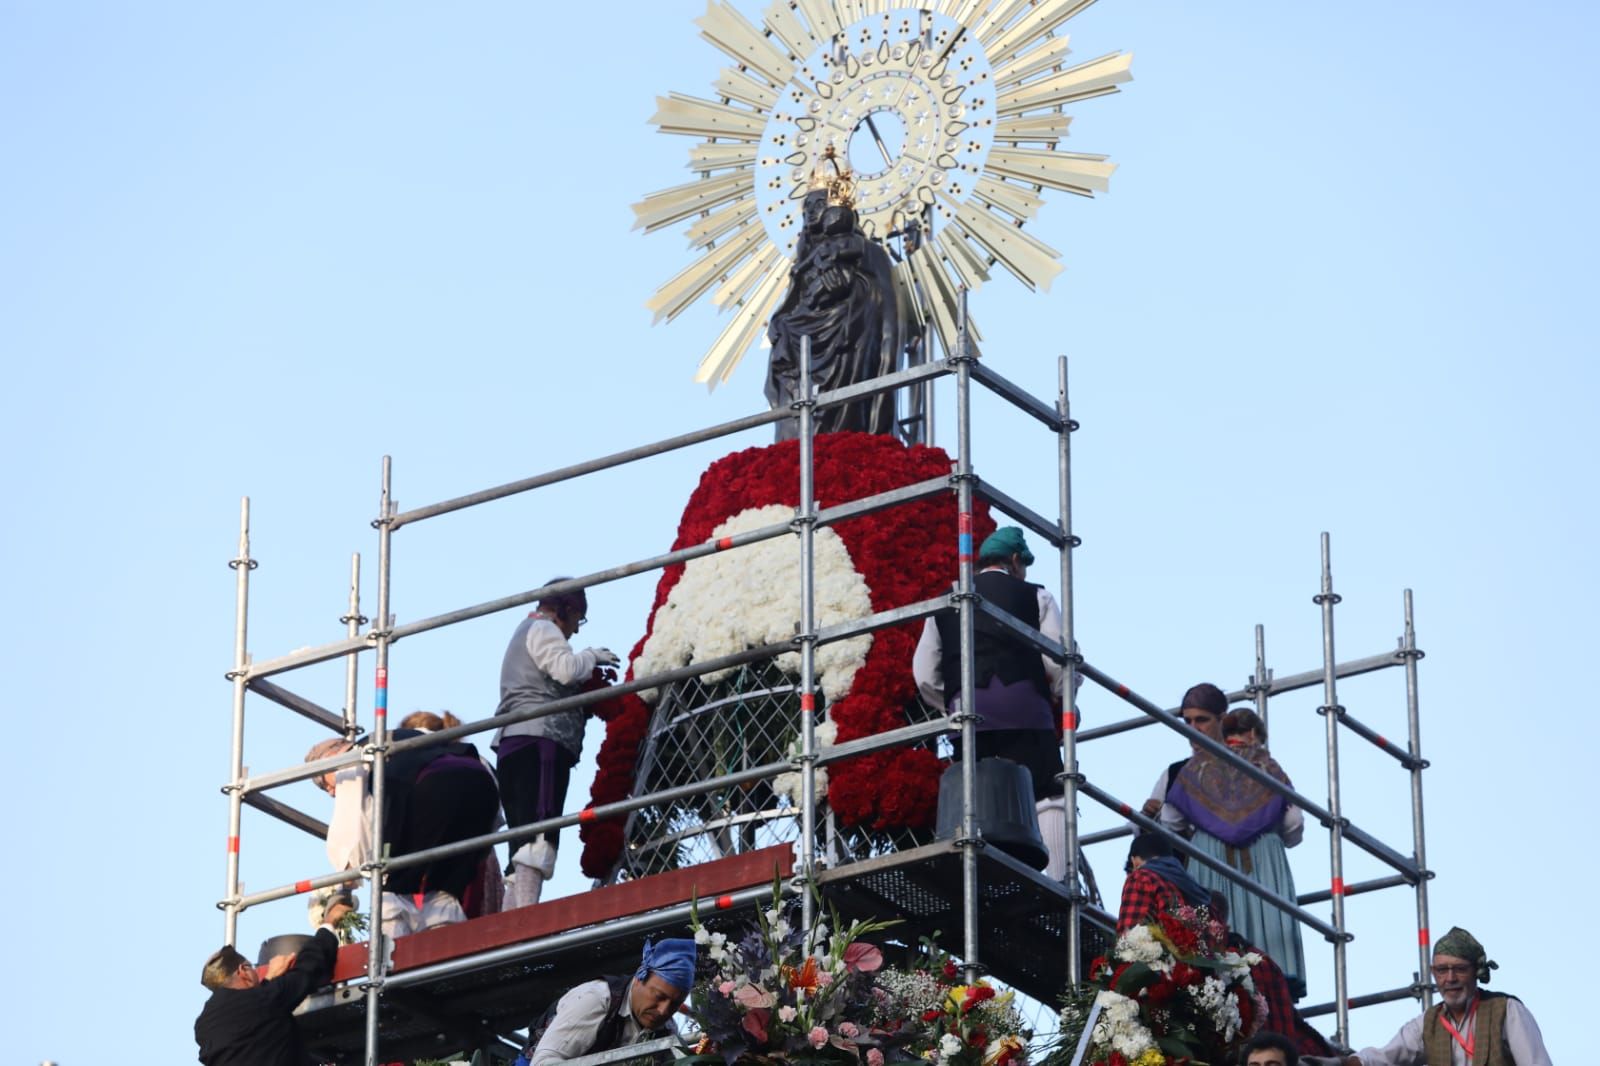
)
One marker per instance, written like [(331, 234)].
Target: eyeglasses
[(1455, 970)]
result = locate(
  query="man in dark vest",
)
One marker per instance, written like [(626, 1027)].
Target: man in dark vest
[(1017, 691), (249, 1019), (615, 1012), (1469, 1026)]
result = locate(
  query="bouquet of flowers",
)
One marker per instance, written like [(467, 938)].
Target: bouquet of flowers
[(785, 993), (1168, 993), (938, 1018)]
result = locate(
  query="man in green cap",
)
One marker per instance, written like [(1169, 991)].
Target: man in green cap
[(1017, 690), (1468, 1027)]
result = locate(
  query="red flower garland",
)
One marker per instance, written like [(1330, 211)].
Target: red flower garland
[(906, 554)]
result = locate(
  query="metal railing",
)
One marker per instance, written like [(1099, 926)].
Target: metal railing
[(965, 602)]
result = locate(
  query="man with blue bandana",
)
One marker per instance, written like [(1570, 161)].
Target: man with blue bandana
[(615, 1012)]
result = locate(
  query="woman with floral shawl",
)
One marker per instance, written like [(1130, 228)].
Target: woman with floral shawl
[(1247, 825)]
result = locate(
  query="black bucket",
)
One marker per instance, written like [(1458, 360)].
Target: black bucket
[(283, 944), (1006, 815)]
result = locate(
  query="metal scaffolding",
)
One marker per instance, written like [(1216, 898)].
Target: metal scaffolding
[(869, 882)]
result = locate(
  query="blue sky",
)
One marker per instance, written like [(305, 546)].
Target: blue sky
[(1343, 281)]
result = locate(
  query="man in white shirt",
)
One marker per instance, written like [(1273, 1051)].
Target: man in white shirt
[(1017, 691), (536, 757), (1468, 1027), (617, 1012)]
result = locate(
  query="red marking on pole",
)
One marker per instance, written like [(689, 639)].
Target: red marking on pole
[(724, 543), (808, 701), (380, 712), (1125, 809), (383, 677), (1338, 886), (1383, 741), (233, 845), (1070, 720), (724, 902), (586, 815), (1123, 691), (964, 522), (302, 886), (1422, 936)]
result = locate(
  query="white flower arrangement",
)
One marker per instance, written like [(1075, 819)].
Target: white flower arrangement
[(744, 598)]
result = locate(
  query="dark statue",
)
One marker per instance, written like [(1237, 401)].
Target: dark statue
[(841, 295)]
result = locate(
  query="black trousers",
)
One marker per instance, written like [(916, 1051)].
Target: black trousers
[(533, 785), (445, 806)]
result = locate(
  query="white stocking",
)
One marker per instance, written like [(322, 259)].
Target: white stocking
[(1053, 828)]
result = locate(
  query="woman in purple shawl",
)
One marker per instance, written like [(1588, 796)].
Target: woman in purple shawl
[(1239, 821)]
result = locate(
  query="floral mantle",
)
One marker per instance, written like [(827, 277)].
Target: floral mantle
[(904, 554)]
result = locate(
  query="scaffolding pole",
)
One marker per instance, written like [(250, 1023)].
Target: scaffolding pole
[(1069, 710), (805, 526), (378, 746), (1330, 711), (1411, 654), (1261, 681), (971, 840), (353, 620), (241, 564)]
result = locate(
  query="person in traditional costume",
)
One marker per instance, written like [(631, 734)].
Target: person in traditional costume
[(536, 756), (1156, 882), (1017, 691), (433, 796), (615, 1012), (1469, 1026), (1237, 820)]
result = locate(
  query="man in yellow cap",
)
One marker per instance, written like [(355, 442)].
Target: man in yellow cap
[(1469, 1026)]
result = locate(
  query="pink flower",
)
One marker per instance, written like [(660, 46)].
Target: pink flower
[(818, 1036), (753, 996), (787, 1014), (849, 1030), (862, 957), (874, 1057), (726, 988)]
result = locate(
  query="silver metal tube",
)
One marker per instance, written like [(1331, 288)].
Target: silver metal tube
[(827, 516), (971, 839), (1262, 678), (1069, 710), (1372, 1000), (1355, 889), (1275, 687), (832, 398), (297, 703), (1016, 395), (1025, 515), (289, 815), (378, 742), (850, 749), (1409, 649), (1377, 739), (804, 526), (1362, 839), (242, 564), (827, 635), (353, 621), (1330, 712)]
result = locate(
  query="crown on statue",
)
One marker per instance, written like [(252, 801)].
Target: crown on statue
[(837, 181)]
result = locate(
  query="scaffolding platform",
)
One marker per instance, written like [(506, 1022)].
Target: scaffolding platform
[(473, 983), (1023, 916)]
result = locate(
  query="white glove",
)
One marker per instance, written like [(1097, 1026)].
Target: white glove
[(605, 657)]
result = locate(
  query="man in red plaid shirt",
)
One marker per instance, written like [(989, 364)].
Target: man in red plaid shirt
[(1156, 882)]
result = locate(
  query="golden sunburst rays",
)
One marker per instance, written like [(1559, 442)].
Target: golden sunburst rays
[(950, 114)]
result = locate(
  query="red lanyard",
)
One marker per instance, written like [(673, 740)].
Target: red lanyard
[(1466, 1023)]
